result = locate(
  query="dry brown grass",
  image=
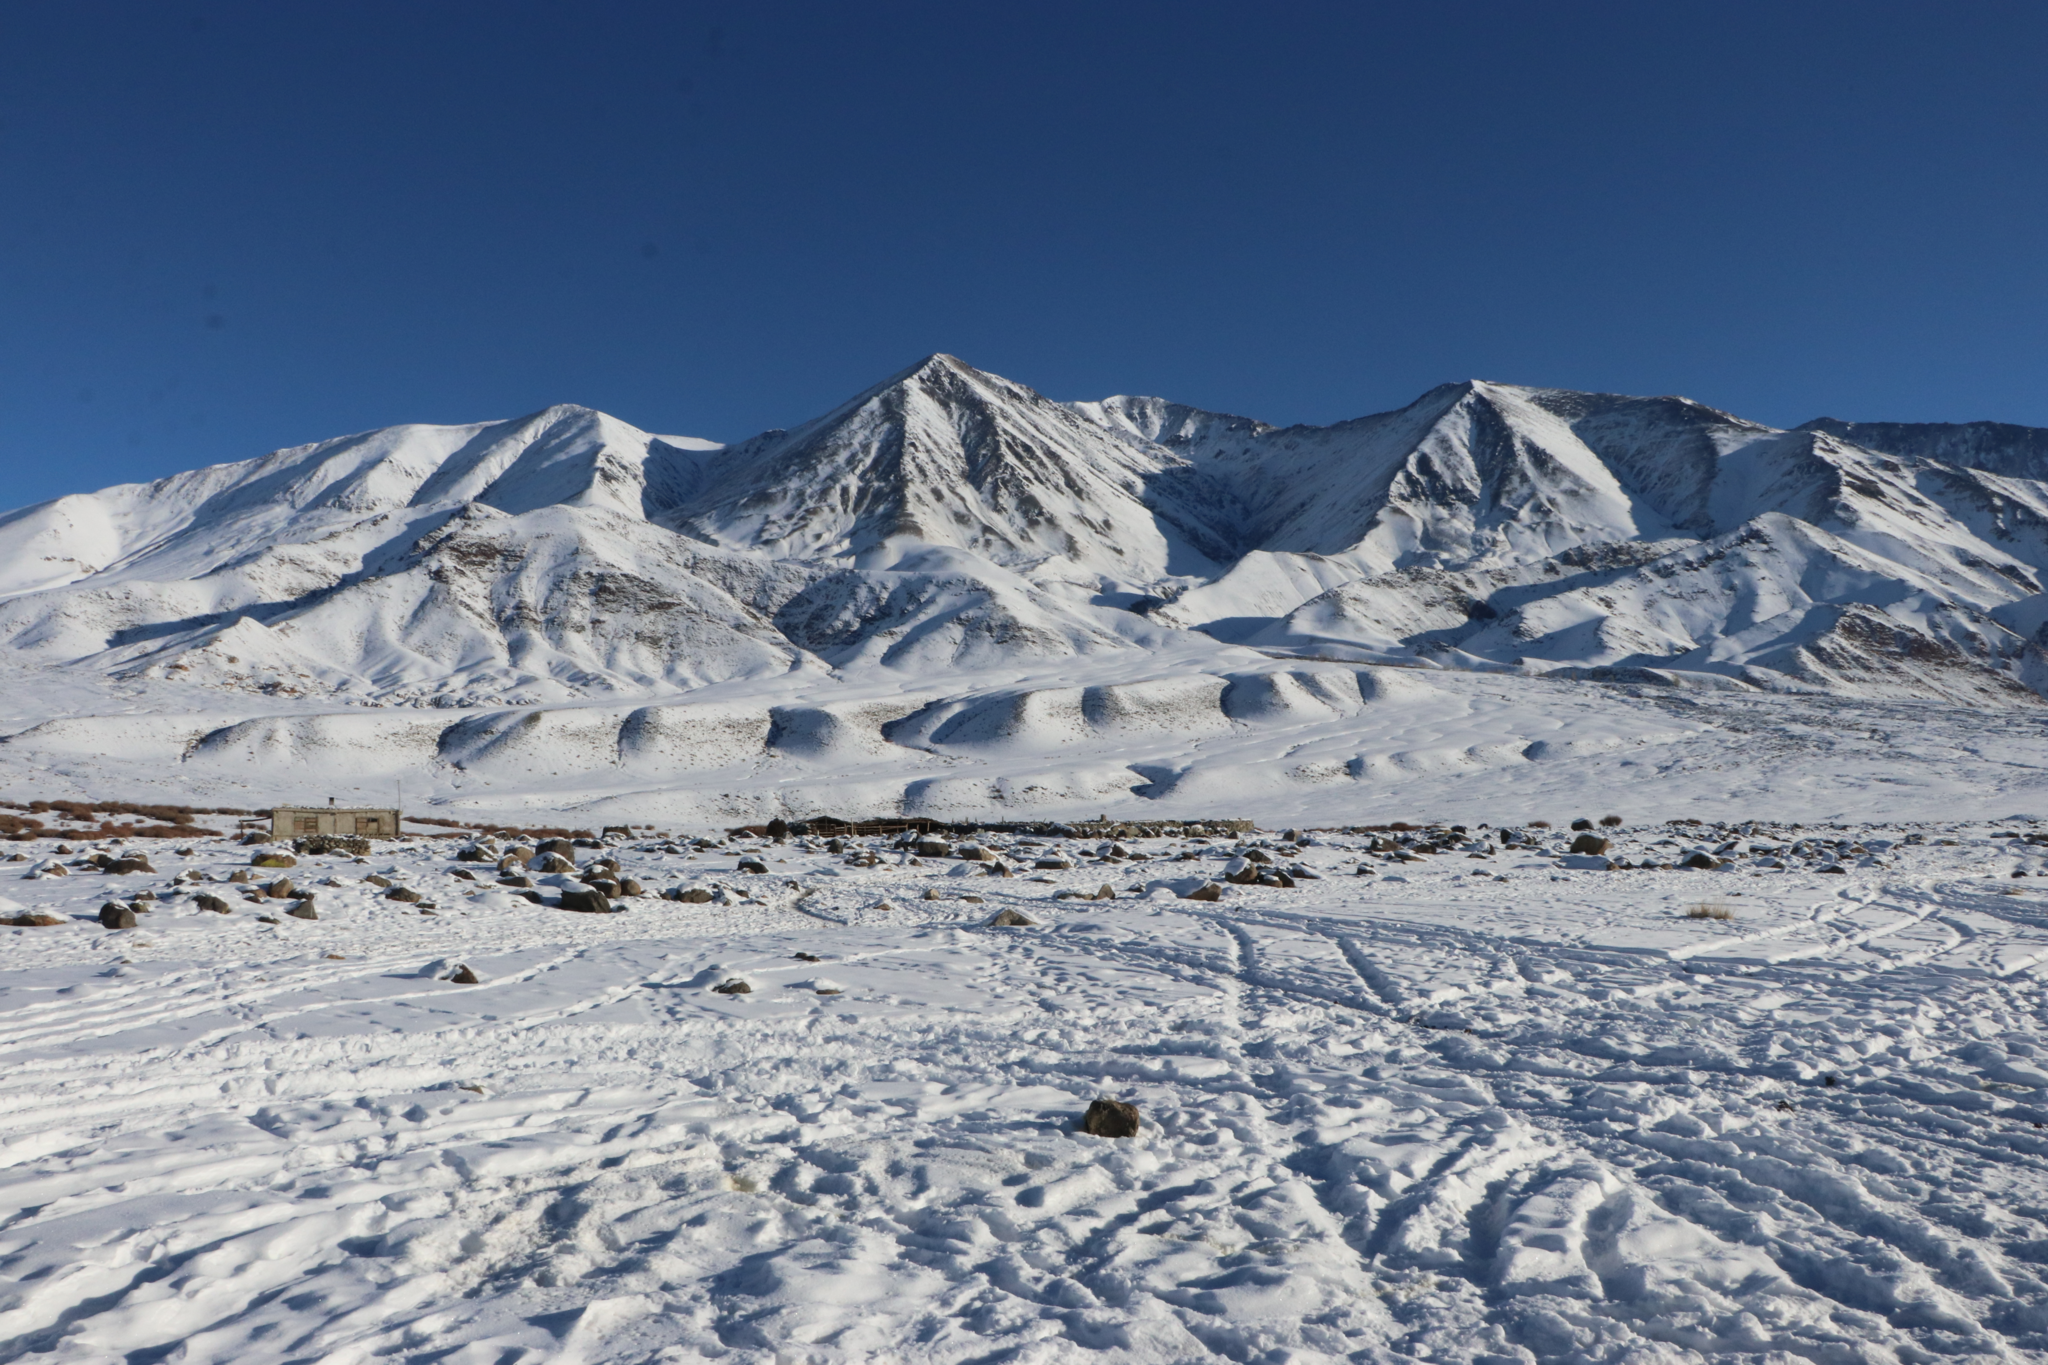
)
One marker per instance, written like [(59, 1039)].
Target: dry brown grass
[(1709, 910)]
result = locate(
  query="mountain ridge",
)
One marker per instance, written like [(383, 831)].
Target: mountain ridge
[(948, 519)]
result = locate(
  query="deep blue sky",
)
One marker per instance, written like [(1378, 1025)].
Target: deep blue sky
[(226, 228)]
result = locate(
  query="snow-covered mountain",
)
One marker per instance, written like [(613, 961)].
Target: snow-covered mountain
[(950, 520)]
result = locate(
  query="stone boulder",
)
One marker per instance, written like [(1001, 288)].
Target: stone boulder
[(586, 900), (1109, 1118)]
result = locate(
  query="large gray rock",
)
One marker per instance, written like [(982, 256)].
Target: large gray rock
[(586, 900), (114, 915)]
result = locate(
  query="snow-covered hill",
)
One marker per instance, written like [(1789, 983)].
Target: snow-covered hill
[(950, 542)]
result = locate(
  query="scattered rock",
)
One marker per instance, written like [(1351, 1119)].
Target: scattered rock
[(586, 901), (932, 848), (1052, 864), (464, 873), (376, 879), (1257, 855), (1010, 919), (1589, 843), (32, 921), (303, 910), (695, 895), (1703, 862), (463, 976), (806, 957), (280, 890), (754, 866), (931, 893), (1207, 891), (565, 848), (213, 903), (273, 859), (355, 845), (1110, 1119), (1240, 872), (114, 915), (128, 867), (629, 887), (1582, 824), (243, 876), (973, 853), (735, 986), (1610, 821), (402, 893), (552, 863), (533, 896), (1835, 869)]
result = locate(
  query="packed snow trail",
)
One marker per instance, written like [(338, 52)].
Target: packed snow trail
[(1470, 1107)]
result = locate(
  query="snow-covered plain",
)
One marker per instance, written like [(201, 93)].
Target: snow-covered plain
[(1476, 1105)]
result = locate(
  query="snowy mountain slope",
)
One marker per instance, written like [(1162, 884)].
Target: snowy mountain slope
[(945, 455), (950, 538), (1996, 447)]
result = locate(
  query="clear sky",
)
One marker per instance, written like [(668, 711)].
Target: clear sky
[(226, 228)]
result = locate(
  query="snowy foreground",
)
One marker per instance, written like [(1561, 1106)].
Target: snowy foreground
[(1463, 1108)]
